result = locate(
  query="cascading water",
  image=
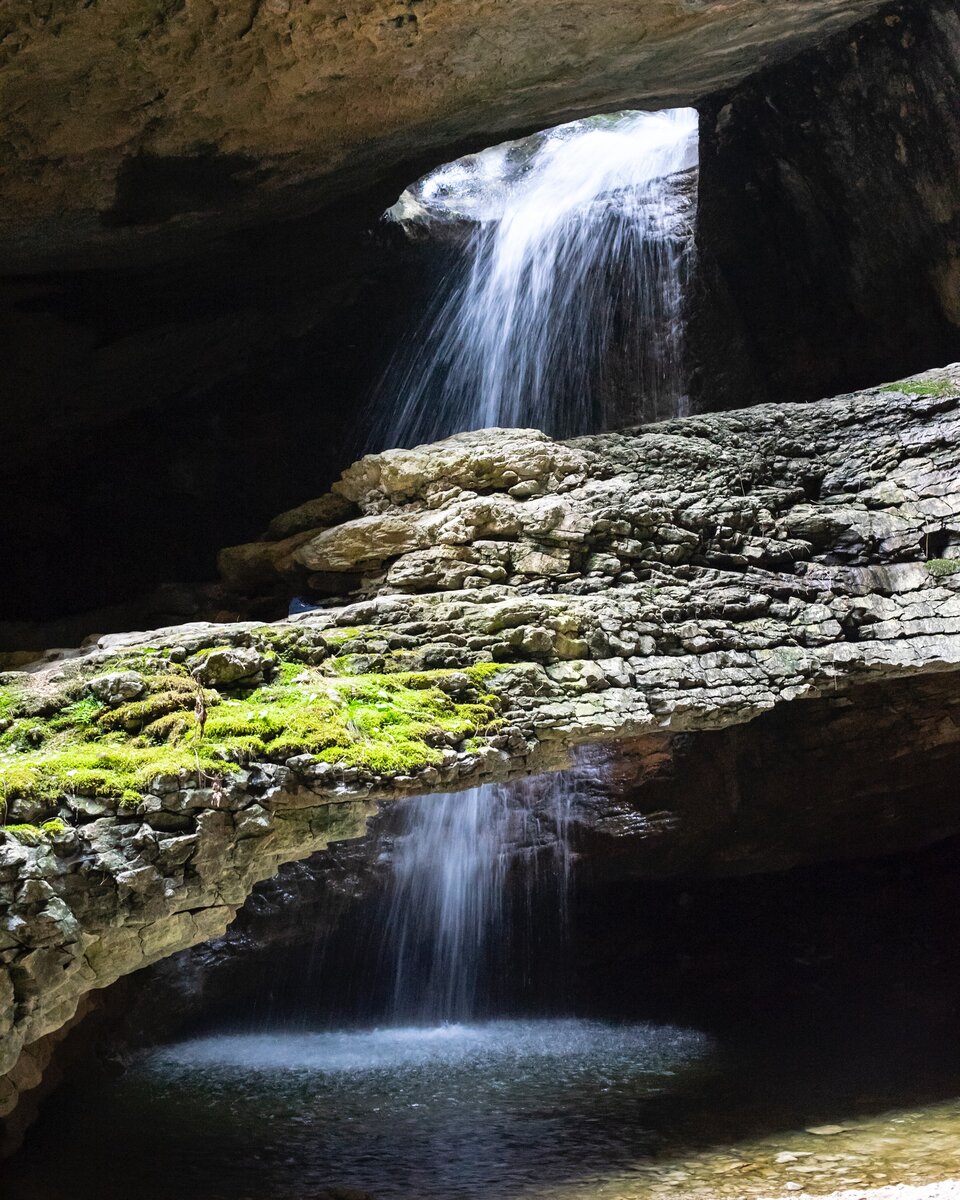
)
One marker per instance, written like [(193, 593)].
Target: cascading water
[(452, 920), (567, 315), (565, 311)]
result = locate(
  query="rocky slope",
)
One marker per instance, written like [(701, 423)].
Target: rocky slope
[(512, 597)]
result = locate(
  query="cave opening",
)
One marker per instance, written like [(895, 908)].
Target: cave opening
[(561, 803), (562, 298)]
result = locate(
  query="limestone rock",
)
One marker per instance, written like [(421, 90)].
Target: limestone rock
[(229, 667), (688, 576), (295, 104), (315, 514), (253, 564), (115, 687)]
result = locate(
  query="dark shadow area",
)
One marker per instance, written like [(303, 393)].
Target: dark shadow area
[(162, 413), (829, 225), (152, 188), (828, 993)]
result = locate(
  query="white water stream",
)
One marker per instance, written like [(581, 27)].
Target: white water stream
[(452, 919), (566, 309), (566, 313)]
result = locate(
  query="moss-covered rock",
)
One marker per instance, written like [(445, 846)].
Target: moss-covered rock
[(940, 568), (91, 741)]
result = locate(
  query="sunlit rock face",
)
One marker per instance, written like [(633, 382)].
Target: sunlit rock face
[(234, 114)]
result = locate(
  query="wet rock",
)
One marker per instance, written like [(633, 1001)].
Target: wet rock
[(744, 593)]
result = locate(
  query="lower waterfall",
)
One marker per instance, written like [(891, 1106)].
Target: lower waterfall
[(453, 916)]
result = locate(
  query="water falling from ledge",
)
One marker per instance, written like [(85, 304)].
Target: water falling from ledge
[(452, 920), (564, 307)]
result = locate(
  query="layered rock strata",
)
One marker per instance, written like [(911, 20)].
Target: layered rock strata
[(512, 597)]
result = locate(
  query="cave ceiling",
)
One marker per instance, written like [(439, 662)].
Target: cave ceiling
[(127, 126)]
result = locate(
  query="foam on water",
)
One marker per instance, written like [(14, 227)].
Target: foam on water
[(574, 1043)]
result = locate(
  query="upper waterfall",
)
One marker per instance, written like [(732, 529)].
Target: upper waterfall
[(564, 309)]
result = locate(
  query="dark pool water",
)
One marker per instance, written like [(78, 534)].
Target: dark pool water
[(452, 1111), (567, 1109)]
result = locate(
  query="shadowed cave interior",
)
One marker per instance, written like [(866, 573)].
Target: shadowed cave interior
[(709, 955)]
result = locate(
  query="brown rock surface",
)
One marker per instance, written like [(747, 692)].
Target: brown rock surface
[(160, 114)]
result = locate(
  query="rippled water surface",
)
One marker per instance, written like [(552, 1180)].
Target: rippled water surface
[(569, 1109)]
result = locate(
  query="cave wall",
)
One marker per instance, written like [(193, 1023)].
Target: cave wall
[(130, 128), (154, 414), (829, 222), (679, 842)]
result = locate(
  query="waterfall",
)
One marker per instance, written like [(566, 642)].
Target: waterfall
[(468, 870), (564, 310)]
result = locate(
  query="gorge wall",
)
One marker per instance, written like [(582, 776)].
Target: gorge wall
[(741, 604), (236, 116), (828, 187)]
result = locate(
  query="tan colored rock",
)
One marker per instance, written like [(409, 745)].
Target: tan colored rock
[(255, 564), (127, 116), (364, 543)]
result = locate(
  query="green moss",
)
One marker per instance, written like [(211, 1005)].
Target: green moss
[(140, 713), (917, 387), (24, 733), (29, 835), (293, 644), (121, 771), (337, 636), (10, 701), (33, 835), (289, 671), (81, 714), (206, 651), (941, 567), (480, 672), (389, 723)]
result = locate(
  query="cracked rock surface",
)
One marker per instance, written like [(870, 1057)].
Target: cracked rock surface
[(518, 597)]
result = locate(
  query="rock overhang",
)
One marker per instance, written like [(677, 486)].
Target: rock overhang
[(133, 131), (715, 568)]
